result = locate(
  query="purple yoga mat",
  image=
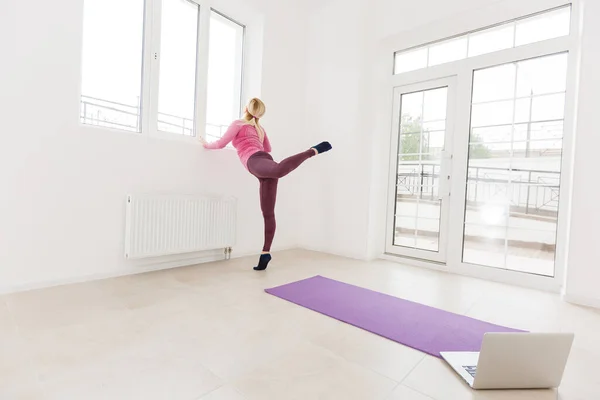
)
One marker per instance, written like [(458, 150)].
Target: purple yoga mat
[(421, 327)]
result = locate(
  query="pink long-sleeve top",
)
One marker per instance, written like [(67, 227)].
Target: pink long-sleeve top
[(244, 138)]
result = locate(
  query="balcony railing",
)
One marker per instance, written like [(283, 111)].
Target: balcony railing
[(110, 114), (531, 192)]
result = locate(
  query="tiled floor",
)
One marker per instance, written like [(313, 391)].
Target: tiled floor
[(209, 332)]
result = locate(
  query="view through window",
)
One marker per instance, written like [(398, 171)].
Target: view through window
[(513, 184), (112, 88)]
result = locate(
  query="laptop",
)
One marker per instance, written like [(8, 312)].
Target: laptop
[(514, 361)]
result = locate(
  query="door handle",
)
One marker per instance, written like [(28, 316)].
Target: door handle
[(444, 176)]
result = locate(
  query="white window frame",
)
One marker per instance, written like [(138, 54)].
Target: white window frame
[(250, 61), (240, 64), (463, 70), (512, 24), (238, 90)]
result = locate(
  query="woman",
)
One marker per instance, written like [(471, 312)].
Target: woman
[(253, 148)]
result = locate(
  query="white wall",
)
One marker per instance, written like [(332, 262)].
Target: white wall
[(338, 183), (62, 185), (583, 276)]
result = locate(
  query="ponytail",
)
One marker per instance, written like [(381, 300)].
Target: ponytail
[(254, 111)]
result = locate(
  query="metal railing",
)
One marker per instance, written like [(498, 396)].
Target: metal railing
[(111, 114), (531, 192)]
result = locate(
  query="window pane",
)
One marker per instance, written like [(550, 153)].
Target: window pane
[(544, 26), (411, 143), (491, 152), (224, 74), (177, 81), (490, 214), (523, 152), (450, 50), (514, 169), (435, 125), (433, 142), (112, 63), (522, 110), (496, 83), (548, 25), (484, 245), (546, 130), (497, 113), (494, 134), (434, 106), (531, 251), (412, 108), (490, 40), (500, 134), (418, 208), (410, 60), (550, 107), (539, 76)]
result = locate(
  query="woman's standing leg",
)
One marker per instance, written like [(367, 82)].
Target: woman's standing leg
[(268, 197)]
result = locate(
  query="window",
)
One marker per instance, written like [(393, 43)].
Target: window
[(490, 40), (514, 167), (420, 145), (481, 188), (224, 74), (151, 76), (177, 79), (111, 84), (536, 28), (450, 50)]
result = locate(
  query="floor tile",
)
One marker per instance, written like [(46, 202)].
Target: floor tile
[(61, 306), (224, 393), (142, 290), (31, 391), (7, 323), (581, 380), (311, 372), (83, 348), (173, 380), (376, 353), (17, 370), (405, 393)]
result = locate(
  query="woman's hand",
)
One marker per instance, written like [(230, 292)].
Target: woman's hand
[(203, 141)]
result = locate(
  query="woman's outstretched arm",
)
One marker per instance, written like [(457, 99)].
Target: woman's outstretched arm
[(233, 130)]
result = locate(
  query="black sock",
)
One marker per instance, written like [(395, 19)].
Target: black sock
[(263, 262), (322, 147)]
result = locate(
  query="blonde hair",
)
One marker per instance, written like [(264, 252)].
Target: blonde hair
[(255, 111)]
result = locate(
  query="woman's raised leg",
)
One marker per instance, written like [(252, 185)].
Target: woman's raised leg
[(264, 166)]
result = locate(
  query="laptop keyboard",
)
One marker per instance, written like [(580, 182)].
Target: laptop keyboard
[(471, 369)]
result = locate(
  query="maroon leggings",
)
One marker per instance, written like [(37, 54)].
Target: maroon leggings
[(268, 172)]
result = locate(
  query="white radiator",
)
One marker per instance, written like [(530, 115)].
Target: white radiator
[(160, 225)]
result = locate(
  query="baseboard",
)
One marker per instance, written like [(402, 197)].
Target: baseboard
[(413, 262), (150, 267), (486, 274), (140, 267), (256, 253), (582, 300), (315, 249)]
